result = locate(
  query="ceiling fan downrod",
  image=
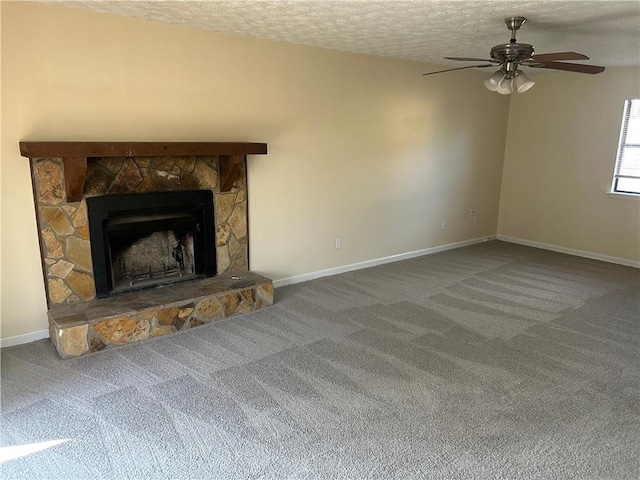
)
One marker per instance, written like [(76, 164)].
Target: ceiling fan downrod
[(514, 24)]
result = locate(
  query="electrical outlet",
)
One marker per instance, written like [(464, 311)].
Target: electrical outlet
[(443, 224), (338, 242)]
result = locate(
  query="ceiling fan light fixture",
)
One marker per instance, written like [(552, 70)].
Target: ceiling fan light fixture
[(522, 82), (493, 80), (505, 87)]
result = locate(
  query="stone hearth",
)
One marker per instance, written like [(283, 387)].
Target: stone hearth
[(77, 329), (65, 174)]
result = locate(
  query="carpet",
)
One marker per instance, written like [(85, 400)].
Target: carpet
[(494, 361)]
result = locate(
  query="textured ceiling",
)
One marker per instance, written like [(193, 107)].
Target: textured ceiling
[(423, 30)]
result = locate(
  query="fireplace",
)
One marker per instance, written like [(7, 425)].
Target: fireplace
[(115, 218), (67, 176), (142, 240)]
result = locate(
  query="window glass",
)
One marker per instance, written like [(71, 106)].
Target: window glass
[(626, 177)]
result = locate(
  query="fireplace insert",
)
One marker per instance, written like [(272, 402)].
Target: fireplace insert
[(142, 240)]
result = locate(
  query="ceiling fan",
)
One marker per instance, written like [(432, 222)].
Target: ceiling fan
[(510, 56)]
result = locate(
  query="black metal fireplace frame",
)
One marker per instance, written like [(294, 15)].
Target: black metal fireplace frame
[(104, 208)]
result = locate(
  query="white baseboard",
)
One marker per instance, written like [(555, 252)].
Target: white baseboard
[(39, 335), (24, 338), (378, 261), (570, 251)]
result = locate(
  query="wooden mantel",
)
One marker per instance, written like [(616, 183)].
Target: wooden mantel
[(75, 154)]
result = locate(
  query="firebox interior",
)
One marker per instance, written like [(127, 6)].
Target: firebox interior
[(142, 240)]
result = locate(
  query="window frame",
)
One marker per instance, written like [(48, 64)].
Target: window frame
[(622, 145)]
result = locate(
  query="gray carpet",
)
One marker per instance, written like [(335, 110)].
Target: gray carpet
[(495, 361)]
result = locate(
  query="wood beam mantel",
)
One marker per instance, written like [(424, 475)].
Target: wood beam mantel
[(75, 155), (230, 167), (75, 171)]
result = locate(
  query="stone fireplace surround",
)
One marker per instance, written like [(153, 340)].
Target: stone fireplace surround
[(64, 174)]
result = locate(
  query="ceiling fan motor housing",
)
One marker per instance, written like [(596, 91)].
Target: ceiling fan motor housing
[(511, 52)]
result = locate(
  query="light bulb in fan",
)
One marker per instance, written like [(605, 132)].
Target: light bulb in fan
[(522, 83), (492, 81)]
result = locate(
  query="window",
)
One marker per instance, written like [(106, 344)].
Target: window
[(626, 177)]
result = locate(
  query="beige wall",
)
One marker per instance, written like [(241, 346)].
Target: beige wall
[(361, 148), (560, 152)]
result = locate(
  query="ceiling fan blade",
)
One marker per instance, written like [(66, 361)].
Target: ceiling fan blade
[(570, 67), (468, 59), (459, 68), (550, 57)]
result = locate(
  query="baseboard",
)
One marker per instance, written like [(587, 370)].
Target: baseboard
[(570, 251), (24, 338), (378, 261), (39, 335)]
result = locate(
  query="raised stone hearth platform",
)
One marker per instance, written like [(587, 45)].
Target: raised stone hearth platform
[(79, 329)]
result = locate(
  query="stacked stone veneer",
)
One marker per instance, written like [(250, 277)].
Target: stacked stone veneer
[(63, 226)]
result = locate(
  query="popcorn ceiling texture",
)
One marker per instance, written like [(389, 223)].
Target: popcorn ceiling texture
[(418, 30)]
